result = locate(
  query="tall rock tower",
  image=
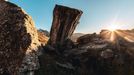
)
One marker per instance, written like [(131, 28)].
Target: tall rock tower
[(64, 23)]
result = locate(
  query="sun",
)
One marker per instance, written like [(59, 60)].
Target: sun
[(113, 27)]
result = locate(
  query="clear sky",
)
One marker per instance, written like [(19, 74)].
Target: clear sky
[(97, 14)]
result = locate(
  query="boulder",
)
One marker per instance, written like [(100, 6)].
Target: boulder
[(18, 40)]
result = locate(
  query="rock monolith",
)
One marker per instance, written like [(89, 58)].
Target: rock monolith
[(65, 20)]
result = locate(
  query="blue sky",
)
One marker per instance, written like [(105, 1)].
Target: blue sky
[(97, 14)]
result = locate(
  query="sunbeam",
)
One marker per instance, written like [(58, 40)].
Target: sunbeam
[(115, 35), (126, 36)]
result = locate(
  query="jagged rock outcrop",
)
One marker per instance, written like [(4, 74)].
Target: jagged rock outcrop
[(45, 32), (18, 40), (42, 37), (64, 23)]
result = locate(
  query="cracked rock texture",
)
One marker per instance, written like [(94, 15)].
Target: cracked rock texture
[(18, 40), (64, 23)]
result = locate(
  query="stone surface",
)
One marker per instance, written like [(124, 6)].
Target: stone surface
[(108, 53), (64, 23), (45, 32), (75, 36), (91, 54), (18, 39), (87, 38), (42, 37)]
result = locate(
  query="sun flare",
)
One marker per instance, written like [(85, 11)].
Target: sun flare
[(113, 27), (114, 32)]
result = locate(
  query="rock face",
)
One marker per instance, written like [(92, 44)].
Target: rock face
[(42, 37), (64, 23), (18, 39), (45, 32)]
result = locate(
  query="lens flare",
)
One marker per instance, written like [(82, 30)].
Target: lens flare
[(113, 27), (115, 35)]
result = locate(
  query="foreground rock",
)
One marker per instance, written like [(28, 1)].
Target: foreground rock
[(18, 40), (92, 55)]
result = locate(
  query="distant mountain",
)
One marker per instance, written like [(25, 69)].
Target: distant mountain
[(75, 36)]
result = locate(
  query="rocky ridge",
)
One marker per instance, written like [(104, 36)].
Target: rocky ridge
[(91, 55)]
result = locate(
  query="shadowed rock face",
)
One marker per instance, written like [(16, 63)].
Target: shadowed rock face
[(64, 23), (17, 36)]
